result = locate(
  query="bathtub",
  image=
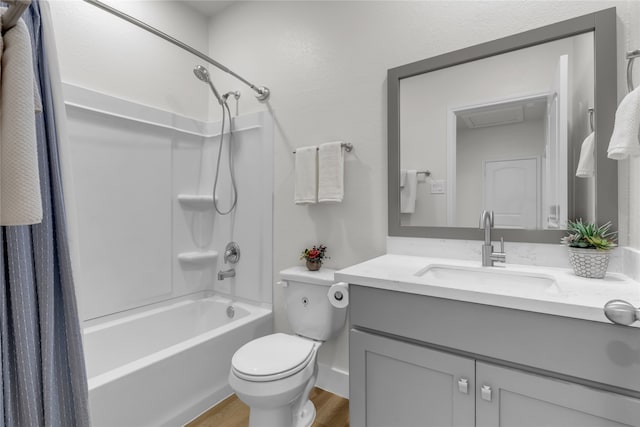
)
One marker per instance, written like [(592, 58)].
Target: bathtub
[(164, 365)]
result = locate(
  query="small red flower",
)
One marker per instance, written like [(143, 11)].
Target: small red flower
[(317, 253)]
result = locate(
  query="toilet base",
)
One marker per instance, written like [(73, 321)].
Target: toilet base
[(279, 417), (307, 416)]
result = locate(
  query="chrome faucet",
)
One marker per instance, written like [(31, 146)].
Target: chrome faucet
[(488, 256), (223, 274)]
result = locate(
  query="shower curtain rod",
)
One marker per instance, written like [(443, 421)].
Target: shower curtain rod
[(262, 92), (14, 12)]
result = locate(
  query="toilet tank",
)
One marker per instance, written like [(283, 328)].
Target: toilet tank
[(308, 308)]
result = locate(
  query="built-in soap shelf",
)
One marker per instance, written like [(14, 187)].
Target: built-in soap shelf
[(198, 257), (196, 201)]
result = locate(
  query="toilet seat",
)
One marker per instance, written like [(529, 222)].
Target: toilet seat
[(272, 357)]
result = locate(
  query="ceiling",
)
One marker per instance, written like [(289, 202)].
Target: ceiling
[(208, 7)]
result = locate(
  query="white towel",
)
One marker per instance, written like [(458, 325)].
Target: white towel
[(331, 172), (20, 199), (408, 192), (586, 164), (624, 140), (403, 177), (306, 184)]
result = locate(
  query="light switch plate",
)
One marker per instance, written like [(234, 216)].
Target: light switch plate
[(437, 186)]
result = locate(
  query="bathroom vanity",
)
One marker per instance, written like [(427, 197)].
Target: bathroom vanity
[(446, 342)]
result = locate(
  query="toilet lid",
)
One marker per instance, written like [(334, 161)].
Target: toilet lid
[(272, 355)]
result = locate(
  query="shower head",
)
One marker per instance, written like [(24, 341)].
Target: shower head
[(203, 74)]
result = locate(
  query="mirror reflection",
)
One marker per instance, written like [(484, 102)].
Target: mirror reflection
[(502, 133)]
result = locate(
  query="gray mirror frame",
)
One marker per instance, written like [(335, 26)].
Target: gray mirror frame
[(603, 24)]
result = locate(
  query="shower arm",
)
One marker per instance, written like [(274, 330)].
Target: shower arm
[(262, 92)]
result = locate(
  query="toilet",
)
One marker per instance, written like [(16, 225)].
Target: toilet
[(274, 374)]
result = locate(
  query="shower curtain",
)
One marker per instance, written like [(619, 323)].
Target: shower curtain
[(41, 359)]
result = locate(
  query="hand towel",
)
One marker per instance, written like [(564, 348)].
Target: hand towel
[(20, 199), (586, 164), (331, 172), (408, 192), (306, 184), (624, 140), (403, 177)]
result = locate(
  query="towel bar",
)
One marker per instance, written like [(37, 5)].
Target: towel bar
[(631, 56), (346, 145)]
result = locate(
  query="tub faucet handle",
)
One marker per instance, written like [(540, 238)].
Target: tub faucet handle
[(232, 253)]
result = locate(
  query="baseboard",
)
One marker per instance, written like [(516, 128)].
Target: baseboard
[(333, 380), (200, 407)]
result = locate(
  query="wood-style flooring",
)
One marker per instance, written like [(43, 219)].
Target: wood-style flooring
[(331, 411)]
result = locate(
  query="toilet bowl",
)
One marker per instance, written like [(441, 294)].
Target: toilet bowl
[(274, 374)]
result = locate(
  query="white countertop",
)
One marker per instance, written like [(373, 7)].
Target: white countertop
[(570, 296)]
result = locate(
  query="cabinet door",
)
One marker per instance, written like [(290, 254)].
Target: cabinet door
[(519, 399), (393, 383)]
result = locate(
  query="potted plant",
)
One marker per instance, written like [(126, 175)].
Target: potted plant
[(314, 257), (589, 247)]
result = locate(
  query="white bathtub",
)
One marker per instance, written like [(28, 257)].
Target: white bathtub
[(165, 365)]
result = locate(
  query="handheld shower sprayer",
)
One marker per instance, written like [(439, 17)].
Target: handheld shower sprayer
[(203, 75)]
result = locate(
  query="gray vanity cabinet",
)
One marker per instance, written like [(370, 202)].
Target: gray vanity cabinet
[(405, 384), (416, 360), (514, 398)]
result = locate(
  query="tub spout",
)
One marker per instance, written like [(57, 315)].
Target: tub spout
[(223, 274)]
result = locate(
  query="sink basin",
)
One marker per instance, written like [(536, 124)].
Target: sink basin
[(483, 278)]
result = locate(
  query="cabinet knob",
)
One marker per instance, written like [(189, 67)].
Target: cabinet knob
[(485, 392), (463, 385)]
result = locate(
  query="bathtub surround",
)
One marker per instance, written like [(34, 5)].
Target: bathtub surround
[(170, 159), (43, 371)]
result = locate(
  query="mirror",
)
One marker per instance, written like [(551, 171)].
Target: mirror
[(499, 126)]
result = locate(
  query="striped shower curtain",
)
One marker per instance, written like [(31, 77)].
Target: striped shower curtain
[(41, 360)]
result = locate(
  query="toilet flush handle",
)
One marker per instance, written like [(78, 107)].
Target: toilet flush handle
[(282, 283)]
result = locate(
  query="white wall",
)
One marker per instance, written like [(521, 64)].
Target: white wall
[(326, 64), (101, 52)]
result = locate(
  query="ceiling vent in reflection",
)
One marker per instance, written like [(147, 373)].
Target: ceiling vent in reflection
[(495, 116)]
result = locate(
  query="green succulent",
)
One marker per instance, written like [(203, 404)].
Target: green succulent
[(589, 236)]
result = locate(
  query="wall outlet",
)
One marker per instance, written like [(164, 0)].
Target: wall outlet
[(437, 186)]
